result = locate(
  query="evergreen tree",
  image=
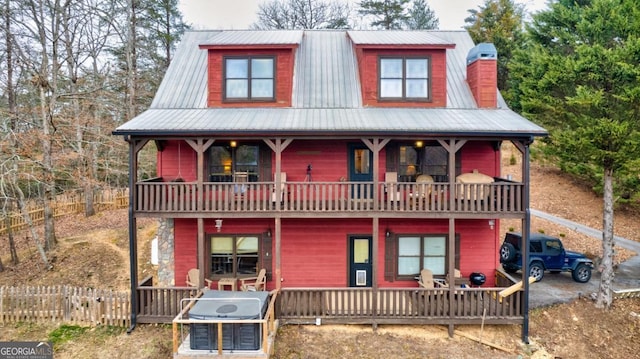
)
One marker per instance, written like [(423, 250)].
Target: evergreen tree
[(498, 22), (388, 14), (421, 17), (579, 77)]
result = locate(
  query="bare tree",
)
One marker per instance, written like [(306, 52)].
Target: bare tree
[(302, 14)]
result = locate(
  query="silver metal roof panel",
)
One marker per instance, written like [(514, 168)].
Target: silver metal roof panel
[(326, 74), (396, 37), (328, 122), (249, 37)]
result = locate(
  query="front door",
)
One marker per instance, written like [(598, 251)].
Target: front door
[(360, 266), (360, 170)]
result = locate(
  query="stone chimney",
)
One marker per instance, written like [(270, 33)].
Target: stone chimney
[(482, 74)]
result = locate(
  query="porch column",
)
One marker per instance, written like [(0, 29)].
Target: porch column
[(523, 147), (277, 146), (200, 145), (134, 147)]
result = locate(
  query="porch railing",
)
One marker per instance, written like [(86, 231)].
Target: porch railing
[(160, 304), (399, 306), (334, 197)]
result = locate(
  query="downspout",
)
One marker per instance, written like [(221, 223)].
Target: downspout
[(525, 237), (133, 260)]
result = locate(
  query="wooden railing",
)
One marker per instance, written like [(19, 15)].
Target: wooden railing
[(399, 306), (268, 323), (160, 304), (313, 197)]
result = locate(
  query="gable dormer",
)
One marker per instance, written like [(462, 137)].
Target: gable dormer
[(401, 69), (251, 68)]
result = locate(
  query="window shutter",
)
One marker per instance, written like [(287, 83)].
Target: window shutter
[(392, 158), (266, 253), (265, 164), (389, 258), (457, 251)]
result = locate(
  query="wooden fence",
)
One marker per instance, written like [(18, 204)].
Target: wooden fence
[(66, 204), (82, 306)]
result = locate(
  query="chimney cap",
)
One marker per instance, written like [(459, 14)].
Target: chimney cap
[(482, 51)]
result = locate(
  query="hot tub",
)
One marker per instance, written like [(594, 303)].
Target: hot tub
[(227, 305)]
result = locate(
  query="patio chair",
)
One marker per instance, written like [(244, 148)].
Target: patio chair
[(427, 281), (283, 188), (193, 279), (240, 179), (391, 183), (254, 283)]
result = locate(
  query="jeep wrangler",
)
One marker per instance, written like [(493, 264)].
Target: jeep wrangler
[(546, 253)]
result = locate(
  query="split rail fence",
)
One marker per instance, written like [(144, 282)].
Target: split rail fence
[(73, 305), (66, 204)]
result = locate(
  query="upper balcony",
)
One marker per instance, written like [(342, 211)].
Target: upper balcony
[(502, 199)]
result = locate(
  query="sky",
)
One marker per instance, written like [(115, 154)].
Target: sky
[(240, 14)]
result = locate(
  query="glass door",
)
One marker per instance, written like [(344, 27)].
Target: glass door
[(360, 266)]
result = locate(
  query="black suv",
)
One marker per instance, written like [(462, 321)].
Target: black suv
[(545, 253)]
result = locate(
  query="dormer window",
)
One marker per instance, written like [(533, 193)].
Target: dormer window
[(249, 78), (404, 78)]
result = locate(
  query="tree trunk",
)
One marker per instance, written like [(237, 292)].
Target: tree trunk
[(604, 297), (12, 242)]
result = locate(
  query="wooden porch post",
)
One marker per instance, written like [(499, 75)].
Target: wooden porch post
[(134, 147), (523, 147), (375, 145), (277, 146), (200, 146), (452, 146)]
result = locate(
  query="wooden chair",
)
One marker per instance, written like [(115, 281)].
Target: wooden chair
[(427, 281), (240, 179), (255, 283), (391, 183), (193, 279), (283, 189)]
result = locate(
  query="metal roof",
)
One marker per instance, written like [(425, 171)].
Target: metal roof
[(321, 78), (328, 122), (250, 37), (397, 37), (326, 91)]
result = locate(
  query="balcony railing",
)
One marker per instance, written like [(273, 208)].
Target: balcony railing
[(331, 197)]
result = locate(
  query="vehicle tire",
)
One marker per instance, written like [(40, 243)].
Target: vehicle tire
[(507, 252), (536, 270), (582, 273), (509, 269)]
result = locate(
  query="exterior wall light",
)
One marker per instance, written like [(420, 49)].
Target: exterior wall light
[(492, 223), (219, 224)]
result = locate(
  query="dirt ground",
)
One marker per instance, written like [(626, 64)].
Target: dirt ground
[(94, 253)]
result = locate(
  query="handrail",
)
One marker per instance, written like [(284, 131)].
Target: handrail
[(330, 197)]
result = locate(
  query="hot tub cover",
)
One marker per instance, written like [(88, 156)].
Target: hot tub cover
[(216, 304)]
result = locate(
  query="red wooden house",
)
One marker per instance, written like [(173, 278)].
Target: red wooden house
[(343, 163)]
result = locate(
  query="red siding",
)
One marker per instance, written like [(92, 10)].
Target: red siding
[(314, 252), (482, 76), (169, 160), (480, 156), (186, 240), (284, 77), (328, 160), (368, 68)]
